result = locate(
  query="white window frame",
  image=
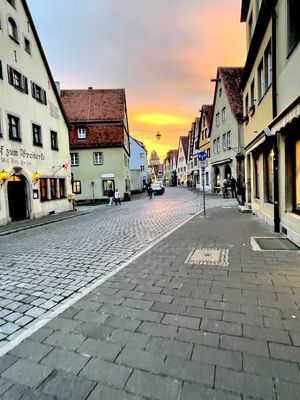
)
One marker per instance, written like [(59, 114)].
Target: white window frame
[(224, 141), (228, 136), (223, 114), (81, 133), (98, 158), (74, 158), (218, 144)]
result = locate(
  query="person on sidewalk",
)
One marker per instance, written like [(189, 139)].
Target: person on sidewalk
[(232, 184), (117, 197), (110, 195), (225, 188), (150, 192)]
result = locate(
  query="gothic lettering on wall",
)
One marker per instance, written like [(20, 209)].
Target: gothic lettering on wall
[(22, 156)]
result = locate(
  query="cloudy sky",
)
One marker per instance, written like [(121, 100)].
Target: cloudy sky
[(163, 52)]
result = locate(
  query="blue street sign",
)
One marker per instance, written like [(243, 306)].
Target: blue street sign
[(202, 156)]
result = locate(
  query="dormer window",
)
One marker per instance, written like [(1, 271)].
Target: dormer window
[(81, 133), (12, 29)]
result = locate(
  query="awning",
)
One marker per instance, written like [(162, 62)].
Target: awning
[(224, 161), (285, 117), (260, 139)]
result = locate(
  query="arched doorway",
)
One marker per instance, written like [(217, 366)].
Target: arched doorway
[(17, 197), (227, 172)]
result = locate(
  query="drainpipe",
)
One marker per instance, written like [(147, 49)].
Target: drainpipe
[(274, 110)]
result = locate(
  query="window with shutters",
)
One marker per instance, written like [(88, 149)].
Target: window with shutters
[(37, 135), (38, 93), (12, 29), (14, 127), (16, 79)]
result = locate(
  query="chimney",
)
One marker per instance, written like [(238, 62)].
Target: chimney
[(90, 88), (57, 84)]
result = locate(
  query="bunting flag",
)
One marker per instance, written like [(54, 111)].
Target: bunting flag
[(66, 165)]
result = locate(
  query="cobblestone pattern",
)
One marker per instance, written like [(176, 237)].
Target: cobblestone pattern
[(161, 329), (44, 267)]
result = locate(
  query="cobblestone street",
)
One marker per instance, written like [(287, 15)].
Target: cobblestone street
[(170, 325), (42, 269)]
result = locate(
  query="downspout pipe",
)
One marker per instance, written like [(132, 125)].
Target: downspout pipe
[(274, 112)]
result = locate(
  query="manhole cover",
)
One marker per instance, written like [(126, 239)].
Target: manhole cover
[(208, 256), (272, 243)]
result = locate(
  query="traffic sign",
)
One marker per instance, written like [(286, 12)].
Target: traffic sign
[(203, 163), (202, 156)]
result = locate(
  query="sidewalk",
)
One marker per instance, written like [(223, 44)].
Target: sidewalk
[(224, 328)]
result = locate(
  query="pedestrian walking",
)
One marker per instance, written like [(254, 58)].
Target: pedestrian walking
[(110, 195), (233, 184), (117, 197), (225, 188), (150, 192)]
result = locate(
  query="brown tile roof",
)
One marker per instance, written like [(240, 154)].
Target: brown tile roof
[(169, 155), (98, 135), (94, 104), (207, 110), (184, 141), (231, 78)]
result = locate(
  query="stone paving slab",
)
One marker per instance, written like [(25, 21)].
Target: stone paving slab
[(34, 285), (195, 341)]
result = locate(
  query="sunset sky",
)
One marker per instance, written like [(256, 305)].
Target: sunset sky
[(163, 52)]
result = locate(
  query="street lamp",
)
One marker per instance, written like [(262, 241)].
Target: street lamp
[(158, 136)]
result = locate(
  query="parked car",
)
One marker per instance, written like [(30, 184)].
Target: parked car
[(160, 182), (157, 188)]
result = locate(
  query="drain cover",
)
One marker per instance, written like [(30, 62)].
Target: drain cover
[(272, 243), (208, 256)]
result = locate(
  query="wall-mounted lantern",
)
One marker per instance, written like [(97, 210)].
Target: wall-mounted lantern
[(35, 177), (3, 177)]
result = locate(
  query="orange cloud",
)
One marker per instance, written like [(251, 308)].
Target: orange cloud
[(160, 119)]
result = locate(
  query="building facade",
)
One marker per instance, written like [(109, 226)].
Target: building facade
[(194, 150), (34, 147), (182, 160), (204, 142), (271, 93), (138, 165), (99, 142), (226, 137)]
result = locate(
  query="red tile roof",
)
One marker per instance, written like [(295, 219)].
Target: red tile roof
[(98, 135), (94, 104), (231, 78)]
